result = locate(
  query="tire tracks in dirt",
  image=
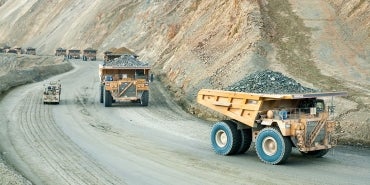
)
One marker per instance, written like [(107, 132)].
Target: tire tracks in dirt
[(60, 158)]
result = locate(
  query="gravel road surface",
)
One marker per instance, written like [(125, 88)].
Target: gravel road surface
[(80, 141)]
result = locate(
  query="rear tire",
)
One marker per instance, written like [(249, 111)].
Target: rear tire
[(246, 140), (316, 153), (272, 147), (144, 100), (225, 138), (245, 136)]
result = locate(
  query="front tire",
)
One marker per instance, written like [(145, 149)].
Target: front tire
[(144, 100), (107, 98), (101, 93), (272, 147), (225, 138)]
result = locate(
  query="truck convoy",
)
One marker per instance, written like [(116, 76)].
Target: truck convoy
[(52, 92), (275, 122), (124, 79)]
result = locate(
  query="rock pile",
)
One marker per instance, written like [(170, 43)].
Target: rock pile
[(269, 82), (10, 176), (121, 50), (127, 61)]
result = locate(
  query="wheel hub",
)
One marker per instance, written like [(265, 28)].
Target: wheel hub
[(221, 138), (269, 146)]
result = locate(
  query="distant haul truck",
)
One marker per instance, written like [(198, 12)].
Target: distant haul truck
[(12, 51), (74, 54), (275, 122), (18, 49), (89, 54), (124, 79), (60, 52), (109, 56), (52, 92), (31, 51)]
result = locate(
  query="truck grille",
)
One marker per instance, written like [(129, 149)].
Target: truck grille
[(129, 92), (310, 126)]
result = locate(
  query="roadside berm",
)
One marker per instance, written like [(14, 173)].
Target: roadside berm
[(16, 70)]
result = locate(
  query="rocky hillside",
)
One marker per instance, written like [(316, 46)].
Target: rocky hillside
[(213, 44)]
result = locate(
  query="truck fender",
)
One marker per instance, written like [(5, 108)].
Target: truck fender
[(283, 127), (267, 122)]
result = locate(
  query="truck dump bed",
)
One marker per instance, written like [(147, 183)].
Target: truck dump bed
[(244, 107)]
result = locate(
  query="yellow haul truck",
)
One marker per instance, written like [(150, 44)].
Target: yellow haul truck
[(124, 79), (73, 54), (275, 122), (52, 92), (89, 54), (61, 52)]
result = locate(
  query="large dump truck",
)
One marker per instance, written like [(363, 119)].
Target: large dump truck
[(61, 52), (12, 51), (89, 54), (73, 54), (124, 79), (52, 92), (31, 51), (275, 122), (18, 49)]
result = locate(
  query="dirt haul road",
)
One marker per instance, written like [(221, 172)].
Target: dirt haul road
[(81, 142)]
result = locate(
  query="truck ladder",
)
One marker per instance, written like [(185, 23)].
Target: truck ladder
[(316, 130)]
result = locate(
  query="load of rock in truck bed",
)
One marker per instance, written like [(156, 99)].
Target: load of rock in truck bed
[(126, 61), (269, 82)]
